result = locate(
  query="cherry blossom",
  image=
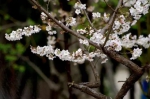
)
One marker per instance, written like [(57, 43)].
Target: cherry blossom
[(119, 38), (136, 53)]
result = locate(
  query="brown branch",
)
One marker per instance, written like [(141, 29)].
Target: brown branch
[(138, 72), (4, 27), (39, 7), (93, 66), (89, 91), (90, 84), (127, 85), (130, 81), (110, 23), (135, 68), (112, 18), (97, 78)]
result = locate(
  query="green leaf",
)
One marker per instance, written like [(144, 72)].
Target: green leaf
[(31, 22), (10, 58), (6, 17), (20, 48), (91, 48), (5, 47), (21, 69), (13, 51), (134, 27), (16, 67), (8, 30)]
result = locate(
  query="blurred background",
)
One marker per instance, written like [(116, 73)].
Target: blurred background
[(24, 75)]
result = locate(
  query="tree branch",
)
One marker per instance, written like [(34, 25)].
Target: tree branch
[(135, 68), (89, 91), (96, 74), (127, 85), (130, 81), (4, 27), (39, 7), (112, 18), (138, 72), (93, 66), (90, 84)]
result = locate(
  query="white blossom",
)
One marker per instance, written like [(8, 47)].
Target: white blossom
[(79, 6), (136, 53), (51, 40), (43, 17), (114, 44), (14, 35), (106, 17), (128, 3), (117, 25), (71, 21), (98, 38), (143, 41), (85, 42), (48, 28), (52, 32), (127, 42), (45, 50), (117, 39), (17, 35), (81, 31), (77, 11), (140, 7), (77, 53), (63, 55), (96, 15)]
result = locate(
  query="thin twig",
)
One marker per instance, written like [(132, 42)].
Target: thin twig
[(119, 58), (88, 18), (112, 18), (39, 7), (107, 37), (90, 84), (112, 54), (97, 78), (94, 70), (109, 6), (110, 23), (138, 72), (89, 91), (4, 27)]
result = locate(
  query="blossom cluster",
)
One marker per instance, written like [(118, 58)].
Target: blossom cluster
[(85, 42), (78, 6), (71, 21), (118, 39), (49, 30), (139, 7), (77, 56), (27, 31)]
